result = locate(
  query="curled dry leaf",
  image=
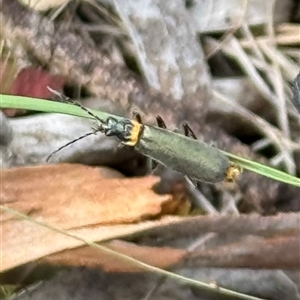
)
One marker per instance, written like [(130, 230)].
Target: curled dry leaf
[(73, 198)]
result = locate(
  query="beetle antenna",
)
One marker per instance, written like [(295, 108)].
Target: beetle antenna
[(70, 143), (69, 100)]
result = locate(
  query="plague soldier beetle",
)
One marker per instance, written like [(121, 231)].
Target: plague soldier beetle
[(181, 152)]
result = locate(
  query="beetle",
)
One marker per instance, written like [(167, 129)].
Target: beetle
[(183, 153), (191, 157)]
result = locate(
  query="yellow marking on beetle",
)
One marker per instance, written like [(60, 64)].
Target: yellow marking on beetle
[(135, 133), (233, 171)]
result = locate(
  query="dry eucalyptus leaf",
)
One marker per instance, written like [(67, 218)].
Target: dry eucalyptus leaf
[(73, 198), (24, 242), (86, 256), (70, 195)]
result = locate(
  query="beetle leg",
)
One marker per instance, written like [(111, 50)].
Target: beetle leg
[(188, 131), (136, 116), (160, 122)]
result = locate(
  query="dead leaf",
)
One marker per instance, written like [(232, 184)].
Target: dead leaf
[(73, 198), (252, 252), (86, 256), (30, 82), (33, 82)]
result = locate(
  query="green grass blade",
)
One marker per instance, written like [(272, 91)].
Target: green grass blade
[(263, 170), (17, 102), (35, 104)]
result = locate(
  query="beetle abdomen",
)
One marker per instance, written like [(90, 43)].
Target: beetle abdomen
[(190, 157)]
